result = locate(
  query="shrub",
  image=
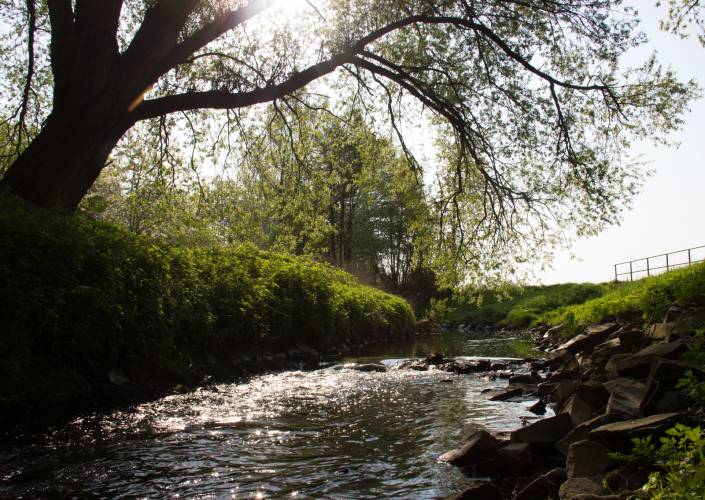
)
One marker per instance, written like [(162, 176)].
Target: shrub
[(79, 298)]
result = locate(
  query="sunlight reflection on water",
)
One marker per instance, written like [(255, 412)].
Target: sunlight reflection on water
[(330, 432)]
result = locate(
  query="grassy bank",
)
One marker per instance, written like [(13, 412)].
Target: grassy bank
[(80, 298), (517, 307), (649, 298)]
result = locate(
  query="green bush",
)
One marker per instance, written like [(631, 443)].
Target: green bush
[(79, 298)]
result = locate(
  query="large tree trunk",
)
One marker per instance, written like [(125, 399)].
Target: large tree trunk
[(64, 160)]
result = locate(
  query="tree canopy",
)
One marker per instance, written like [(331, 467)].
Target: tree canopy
[(532, 102)]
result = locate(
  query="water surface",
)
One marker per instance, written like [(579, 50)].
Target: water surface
[(333, 432)]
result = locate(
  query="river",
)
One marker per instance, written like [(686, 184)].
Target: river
[(332, 433)]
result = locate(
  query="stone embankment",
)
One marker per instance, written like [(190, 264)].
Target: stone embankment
[(614, 382)]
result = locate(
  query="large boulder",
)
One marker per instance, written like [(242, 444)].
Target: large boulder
[(563, 391), (618, 435), (513, 459), (547, 430), (545, 486), (661, 331), (581, 431), (480, 447), (587, 458), (627, 397), (592, 336), (587, 401), (638, 364)]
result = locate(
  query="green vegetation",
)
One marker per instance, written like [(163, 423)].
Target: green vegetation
[(649, 297), (515, 306), (82, 297)]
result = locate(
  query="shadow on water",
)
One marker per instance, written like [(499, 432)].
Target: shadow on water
[(327, 433)]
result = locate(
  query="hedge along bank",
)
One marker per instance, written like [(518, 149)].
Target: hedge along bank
[(80, 300)]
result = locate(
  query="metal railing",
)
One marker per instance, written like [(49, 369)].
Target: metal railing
[(679, 258)]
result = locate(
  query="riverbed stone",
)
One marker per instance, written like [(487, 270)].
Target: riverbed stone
[(627, 396), (370, 367), (587, 400), (587, 458), (539, 407), (592, 336), (504, 393), (611, 365), (547, 430), (563, 391), (661, 331), (480, 447)]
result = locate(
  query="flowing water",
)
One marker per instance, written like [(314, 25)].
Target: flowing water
[(331, 433)]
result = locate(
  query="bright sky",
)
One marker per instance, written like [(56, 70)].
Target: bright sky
[(669, 214)]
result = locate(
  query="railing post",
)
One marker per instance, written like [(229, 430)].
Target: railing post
[(616, 276), (631, 273), (648, 271), (689, 256), (666, 262)]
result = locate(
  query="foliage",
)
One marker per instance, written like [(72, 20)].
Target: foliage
[(683, 14), (80, 298), (528, 154), (649, 296), (515, 306), (680, 462)]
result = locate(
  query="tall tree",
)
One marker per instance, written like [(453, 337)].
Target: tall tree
[(526, 87)]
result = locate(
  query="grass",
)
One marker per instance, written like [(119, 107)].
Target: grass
[(517, 307), (79, 298), (648, 297)]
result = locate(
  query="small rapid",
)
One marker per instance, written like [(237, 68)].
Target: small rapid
[(332, 432)]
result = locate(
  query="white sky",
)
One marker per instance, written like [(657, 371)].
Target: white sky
[(669, 213)]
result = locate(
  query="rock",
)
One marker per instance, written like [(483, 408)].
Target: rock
[(593, 336), (587, 401), (611, 365), (563, 391), (480, 491), (579, 486), (539, 407), (469, 366), (627, 397), (553, 335), (562, 358), (581, 432), (661, 331), (411, 364), (587, 458), (547, 430), (671, 401), (545, 486), (504, 393), (668, 372), (370, 367), (435, 359), (498, 366), (630, 339), (638, 365), (513, 459), (481, 447), (524, 378), (617, 435)]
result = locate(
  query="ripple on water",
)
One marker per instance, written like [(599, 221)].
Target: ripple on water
[(333, 433)]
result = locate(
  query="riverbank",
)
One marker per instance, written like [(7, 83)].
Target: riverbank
[(93, 316), (634, 374)]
